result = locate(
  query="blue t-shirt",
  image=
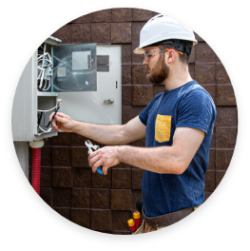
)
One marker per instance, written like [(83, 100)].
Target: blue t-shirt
[(187, 106)]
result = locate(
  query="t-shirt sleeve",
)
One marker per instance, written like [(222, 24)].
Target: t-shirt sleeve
[(143, 116), (196, 110)]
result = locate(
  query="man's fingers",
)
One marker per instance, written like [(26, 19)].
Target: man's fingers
[(92, 155), (93, 159), (62, 115), (97, 164), (59, 114), (51, 116), (54, 126), (60, 119), (105, 169)]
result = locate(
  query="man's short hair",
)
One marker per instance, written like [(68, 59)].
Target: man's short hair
[(181, 45)]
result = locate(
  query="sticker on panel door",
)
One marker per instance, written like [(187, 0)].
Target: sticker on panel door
[(61, 72), (80, 60)]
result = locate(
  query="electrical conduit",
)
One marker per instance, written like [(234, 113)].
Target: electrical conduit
[(36, 164)]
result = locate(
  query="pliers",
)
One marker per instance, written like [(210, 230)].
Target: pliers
[(92, 148)]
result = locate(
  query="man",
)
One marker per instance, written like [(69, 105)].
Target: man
[(177, 124)]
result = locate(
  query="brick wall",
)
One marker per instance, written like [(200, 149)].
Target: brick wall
[(105, 203)]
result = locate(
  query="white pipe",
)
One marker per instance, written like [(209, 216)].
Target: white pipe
[(36, 144)]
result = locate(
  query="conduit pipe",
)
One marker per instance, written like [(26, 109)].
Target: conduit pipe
[(36, 164)]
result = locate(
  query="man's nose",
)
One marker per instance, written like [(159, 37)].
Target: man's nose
[(145, 61)]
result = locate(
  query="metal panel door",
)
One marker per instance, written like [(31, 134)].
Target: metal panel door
[(24, 104), (93, 106)]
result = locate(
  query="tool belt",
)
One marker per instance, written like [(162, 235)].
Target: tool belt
[(167, 219)]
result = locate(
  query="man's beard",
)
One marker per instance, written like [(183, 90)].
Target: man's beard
[(159, 73)]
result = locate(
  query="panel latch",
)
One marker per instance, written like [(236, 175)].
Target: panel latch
[(109, 101)]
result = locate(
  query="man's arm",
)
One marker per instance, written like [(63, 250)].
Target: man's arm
[(113, 134), (104, 134), (173, 159)]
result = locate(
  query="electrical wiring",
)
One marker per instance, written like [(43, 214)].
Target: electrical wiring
[(50, 129), (44, 70), (54, 114), (40, 115), (39, 118), (40, 129), (48, 110)]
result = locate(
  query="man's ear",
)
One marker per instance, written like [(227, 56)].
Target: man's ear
[(171, 55)]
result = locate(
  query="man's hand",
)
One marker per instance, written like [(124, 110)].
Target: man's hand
[(105, 157), (63, 122)]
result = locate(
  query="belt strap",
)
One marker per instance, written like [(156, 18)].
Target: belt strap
[(167, 219)]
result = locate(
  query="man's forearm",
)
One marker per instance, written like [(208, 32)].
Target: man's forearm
[(157, 159), (104, 134)]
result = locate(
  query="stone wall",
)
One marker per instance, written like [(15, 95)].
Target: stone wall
[(105, 203)]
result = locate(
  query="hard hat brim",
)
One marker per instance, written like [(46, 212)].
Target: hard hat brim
[(141, 50)]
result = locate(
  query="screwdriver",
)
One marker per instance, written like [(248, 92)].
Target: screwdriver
[(137, 218), (131, 225)]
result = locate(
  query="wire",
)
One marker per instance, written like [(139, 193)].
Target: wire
[(47, 110), (44, 65), (45, 130), (42, 69), (53, 115), (40, 114)]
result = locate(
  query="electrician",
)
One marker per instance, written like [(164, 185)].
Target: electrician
[(177, 124)]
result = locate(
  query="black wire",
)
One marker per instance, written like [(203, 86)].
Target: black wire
[(39, 115), (53, 116)]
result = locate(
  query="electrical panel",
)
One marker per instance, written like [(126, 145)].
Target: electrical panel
[(83, 80)]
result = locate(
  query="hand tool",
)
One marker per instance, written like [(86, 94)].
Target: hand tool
[(131, 225), (137, 219), (92, 148)]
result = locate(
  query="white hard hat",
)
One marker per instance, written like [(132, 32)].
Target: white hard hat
[(160, 28)]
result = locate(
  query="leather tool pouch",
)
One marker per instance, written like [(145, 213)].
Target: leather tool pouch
[(167, 219)]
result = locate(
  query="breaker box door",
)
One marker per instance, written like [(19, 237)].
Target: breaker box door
[(74, 68), (103, 106)]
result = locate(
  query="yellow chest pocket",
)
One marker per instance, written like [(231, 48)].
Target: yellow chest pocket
[(162, 128)]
